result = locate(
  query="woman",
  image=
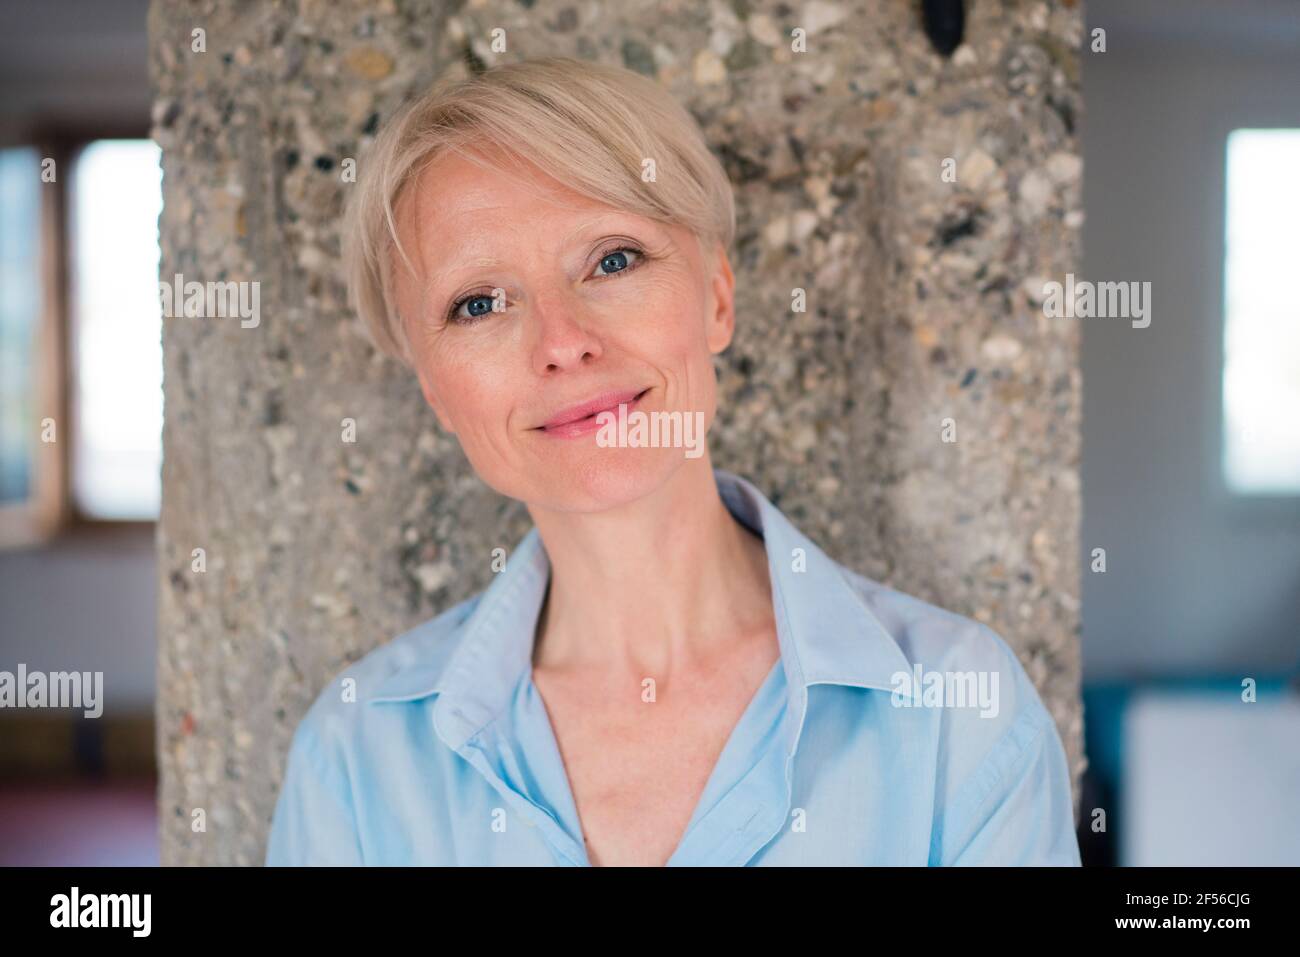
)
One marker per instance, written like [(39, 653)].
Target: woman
[(666, 670)]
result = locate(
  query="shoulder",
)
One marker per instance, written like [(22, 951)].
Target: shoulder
[(939, 639), (1001, 778), (332, 774), (408, 665), (954, 657), (1002, 791)]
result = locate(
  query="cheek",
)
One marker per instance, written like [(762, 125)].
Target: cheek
[(668, 331), (479, 410), (469, 384), (669, 319)]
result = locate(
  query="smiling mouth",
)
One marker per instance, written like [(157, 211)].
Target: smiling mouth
[(577, 424)]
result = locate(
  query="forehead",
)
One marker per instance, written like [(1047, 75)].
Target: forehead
[(453, 197)]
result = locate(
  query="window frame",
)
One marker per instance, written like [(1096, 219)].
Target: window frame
[(50, 512)]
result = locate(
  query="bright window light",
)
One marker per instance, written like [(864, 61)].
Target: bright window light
[(117, 330), (1261, 374)]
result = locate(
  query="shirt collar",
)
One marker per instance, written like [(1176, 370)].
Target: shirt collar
[(826, 632)]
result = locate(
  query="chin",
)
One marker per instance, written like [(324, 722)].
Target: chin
[(580, 476)]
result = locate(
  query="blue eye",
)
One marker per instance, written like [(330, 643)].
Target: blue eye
[(616, 260), (479, 306)]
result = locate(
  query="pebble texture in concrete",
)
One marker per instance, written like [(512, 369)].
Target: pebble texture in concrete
[(922, 306)]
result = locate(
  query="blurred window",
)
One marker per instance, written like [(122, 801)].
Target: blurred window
[(116, 343), (20, 313), (1261, 373), (80, 335)]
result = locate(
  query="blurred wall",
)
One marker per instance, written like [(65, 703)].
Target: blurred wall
[(1195, 582), (72, 63), (85, 603)]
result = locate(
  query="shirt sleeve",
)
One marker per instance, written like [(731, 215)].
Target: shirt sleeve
[(313, 823), (1017, 809)]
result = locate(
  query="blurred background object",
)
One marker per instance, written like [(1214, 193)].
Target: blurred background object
[(80, 426), (1191, 438), (1191, 453)]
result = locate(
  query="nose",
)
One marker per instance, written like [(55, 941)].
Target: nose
[(563, 335)]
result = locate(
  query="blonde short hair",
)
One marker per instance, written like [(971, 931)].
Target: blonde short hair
[(588, 125)]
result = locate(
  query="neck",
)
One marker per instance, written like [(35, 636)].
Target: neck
[(669, 581)]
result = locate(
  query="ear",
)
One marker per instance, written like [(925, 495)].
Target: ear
[(435, 403), (722, 310)]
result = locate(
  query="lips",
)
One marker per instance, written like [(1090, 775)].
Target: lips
[(581, 418)]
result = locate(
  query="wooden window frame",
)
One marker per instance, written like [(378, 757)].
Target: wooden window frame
[(50, 512)]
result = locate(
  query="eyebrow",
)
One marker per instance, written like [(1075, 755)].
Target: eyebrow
[(443, 274)]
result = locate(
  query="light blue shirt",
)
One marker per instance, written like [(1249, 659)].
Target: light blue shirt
[(435, 748)]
